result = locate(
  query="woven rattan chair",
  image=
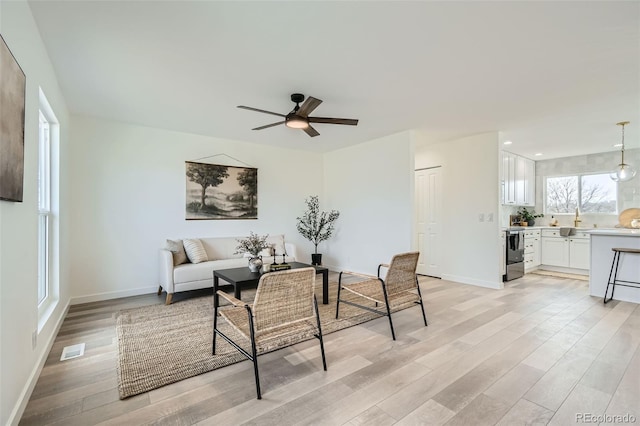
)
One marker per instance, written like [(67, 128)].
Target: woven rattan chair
[(399, 287), (284, 312)]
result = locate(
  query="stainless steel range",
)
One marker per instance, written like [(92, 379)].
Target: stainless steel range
[(515, 254)]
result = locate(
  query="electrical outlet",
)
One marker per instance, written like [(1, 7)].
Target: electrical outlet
[(481, 217), (34, 339), (489, 217)]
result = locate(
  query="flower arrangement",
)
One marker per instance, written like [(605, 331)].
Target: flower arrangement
[(253, 244), (314, 225)]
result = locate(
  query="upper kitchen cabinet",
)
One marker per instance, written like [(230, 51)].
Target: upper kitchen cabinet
[(508, 178), (517, 180)]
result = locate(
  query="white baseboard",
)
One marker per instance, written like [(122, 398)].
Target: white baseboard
[(472, 281), (98, 297), (25, 395)]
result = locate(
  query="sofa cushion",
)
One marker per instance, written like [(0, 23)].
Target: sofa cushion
[(195, 251), (177, 250), (204, 270)]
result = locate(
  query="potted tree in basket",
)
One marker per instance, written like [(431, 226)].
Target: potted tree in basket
[(316, 226)]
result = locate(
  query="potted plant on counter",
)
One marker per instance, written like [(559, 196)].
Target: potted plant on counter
[(316, 226), (529, 216)]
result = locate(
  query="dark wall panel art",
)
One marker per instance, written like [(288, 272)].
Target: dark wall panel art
[(12, 107)]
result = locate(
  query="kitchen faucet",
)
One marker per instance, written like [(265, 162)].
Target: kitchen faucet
[(577, 219)]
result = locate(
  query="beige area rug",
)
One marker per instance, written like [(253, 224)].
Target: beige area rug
[(160, 344), (561, 275)]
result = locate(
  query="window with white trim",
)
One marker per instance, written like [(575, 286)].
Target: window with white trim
[(44, 208), (48, 208), (591, 193)]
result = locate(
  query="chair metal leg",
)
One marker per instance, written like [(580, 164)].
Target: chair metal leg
[(319, 336), (215, 323), (255, 369), (254, 353), (339, 288), (614, 263), (424, 316), (386, 302)]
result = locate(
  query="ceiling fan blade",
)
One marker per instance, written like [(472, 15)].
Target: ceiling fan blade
[(261, 110), (308, 106), (269, 125), (346, 121), (311, 131)]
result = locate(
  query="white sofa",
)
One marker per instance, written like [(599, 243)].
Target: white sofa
[(220, 252)]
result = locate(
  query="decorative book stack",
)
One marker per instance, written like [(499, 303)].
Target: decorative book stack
[(280, 267)]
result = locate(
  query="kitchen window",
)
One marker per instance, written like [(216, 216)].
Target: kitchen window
[(591, 193)]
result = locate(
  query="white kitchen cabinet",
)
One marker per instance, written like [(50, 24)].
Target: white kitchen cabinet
[(531, 249), (579, 252), (569, 252), (530, 182), (517, 180), (555, 251), (508, 178)]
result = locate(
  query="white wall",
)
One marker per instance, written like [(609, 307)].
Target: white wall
[(20, 364), (470, 248), (371, 184), (128, 186)]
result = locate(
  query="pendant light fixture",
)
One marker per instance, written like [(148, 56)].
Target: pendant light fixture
[(623, 172)]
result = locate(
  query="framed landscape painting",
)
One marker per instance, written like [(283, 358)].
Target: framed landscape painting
[(12, 95), (220, 192)]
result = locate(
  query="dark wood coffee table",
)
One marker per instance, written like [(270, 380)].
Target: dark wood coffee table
[(243, 277)]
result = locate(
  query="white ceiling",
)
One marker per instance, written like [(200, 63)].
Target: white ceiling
[(554, 77)]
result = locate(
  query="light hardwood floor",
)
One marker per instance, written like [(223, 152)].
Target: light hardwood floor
[(541, 351)]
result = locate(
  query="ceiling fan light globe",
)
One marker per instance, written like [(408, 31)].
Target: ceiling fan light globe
[(297, 123)]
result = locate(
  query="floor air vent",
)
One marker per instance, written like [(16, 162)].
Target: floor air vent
[(73, 351)]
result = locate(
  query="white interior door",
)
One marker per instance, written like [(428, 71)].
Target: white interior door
[(428, 186)]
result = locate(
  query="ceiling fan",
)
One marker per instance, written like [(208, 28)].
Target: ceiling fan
[(299, 118)]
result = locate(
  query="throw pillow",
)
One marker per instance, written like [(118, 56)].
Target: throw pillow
[(269, 251), (177, 250), (195, 250)]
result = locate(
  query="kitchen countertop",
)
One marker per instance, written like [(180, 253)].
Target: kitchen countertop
[(596, 231), (623, 232)]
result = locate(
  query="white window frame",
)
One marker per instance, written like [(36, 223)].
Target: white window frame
[(579, 193), (48, 292), (44, 208)]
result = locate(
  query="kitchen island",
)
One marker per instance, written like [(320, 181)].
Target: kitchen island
[(602, 241)]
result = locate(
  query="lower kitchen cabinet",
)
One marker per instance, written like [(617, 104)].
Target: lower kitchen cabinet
[(579, 253), (531, 249), (568, 252), (555, 251)]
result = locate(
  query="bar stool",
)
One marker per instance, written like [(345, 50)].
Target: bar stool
[(617, 252)]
